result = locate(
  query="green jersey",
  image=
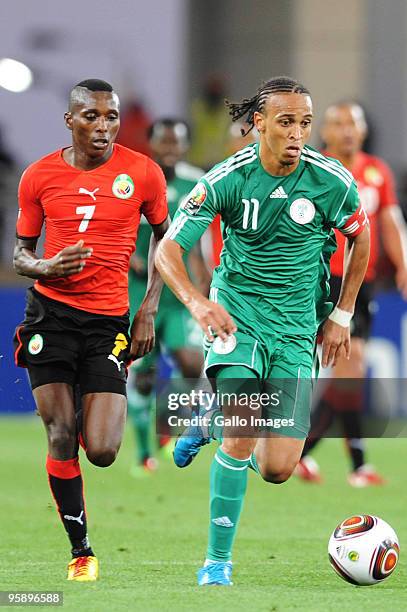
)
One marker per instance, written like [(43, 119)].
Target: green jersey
[(177, 190), (277, 230)]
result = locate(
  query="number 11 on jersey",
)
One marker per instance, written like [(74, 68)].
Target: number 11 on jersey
[(248, 204), (87, 212)]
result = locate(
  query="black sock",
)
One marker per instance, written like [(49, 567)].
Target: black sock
[(352, 427), (321, 420), (66, 484)]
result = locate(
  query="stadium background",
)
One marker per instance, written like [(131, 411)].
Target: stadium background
[(160, 52)]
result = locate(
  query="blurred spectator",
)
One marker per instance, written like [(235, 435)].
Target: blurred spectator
[(9, 177), (236, 141), (210, 122), (134, 123)]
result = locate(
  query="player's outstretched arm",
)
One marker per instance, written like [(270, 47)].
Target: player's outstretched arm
[(336, 331), (142, 328), (68, 261), (212, 317)]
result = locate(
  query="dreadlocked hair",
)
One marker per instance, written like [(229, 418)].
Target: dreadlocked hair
[(248, 106)]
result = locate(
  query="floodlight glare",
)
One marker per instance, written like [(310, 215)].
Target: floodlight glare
[(14, 76)]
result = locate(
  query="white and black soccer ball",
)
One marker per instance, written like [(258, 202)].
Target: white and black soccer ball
[(363, 550)]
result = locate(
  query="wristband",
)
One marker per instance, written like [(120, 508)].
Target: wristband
[(341, 317)]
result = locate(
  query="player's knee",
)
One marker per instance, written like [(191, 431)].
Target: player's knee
[(277, 473), (276, 477), (191, 370), (239, 448), (61, 438), (101, 456), (189, 362), (144, 384)]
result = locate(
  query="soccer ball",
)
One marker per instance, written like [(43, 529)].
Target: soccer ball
[(363, 550)]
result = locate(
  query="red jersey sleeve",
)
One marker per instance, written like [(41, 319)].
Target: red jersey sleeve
[(388, 196), (155, 207), (30, 213)]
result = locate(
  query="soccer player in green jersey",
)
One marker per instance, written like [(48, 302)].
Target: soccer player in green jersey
[(176, 331), (280, 201)]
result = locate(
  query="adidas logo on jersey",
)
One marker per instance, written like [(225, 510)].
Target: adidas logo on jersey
[(279, 193), (223, 521)]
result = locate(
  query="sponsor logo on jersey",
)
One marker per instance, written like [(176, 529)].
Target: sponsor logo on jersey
[(35, 344), (221, 347), (123, 186), (279, 193), (195, 199), (302, 211), (89, 193)]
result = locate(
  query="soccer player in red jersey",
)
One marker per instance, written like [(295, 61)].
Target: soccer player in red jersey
[(343, 132), (75, 332)]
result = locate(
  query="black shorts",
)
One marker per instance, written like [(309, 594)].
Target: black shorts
[(58, 343), (362, 319)]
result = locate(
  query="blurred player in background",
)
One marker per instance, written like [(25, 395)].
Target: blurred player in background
[(279, 201), (212, 241), (210, 122), (343, 131), (177, 333), (75, 331)]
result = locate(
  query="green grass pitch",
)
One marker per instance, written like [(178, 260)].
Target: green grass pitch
[(150, 534)]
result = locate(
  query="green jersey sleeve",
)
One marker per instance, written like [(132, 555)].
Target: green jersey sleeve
[(194, 215), (347, 207)]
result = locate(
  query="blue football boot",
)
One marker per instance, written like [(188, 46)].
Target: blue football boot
[(217, 573)]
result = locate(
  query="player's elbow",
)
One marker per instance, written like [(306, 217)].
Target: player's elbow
[(167, 251), (160, 255)]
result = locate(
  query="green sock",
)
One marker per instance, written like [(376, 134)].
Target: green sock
[(228, 482), (139, 410)]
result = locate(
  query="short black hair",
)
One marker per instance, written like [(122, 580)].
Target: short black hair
[(76, 95), (95, 85), (168, 123), (248, 106)]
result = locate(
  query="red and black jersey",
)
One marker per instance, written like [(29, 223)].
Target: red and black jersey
[(376, 191), (101, 206)]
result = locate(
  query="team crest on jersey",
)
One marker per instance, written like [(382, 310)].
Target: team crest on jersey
[(195, 199), (35, 344), (373, 176), (123, 186), (302, 211), (224, 347)]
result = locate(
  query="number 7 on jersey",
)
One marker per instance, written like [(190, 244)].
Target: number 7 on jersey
[(87, 212)]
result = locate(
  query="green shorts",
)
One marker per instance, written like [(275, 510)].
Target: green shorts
[(284, 365)]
